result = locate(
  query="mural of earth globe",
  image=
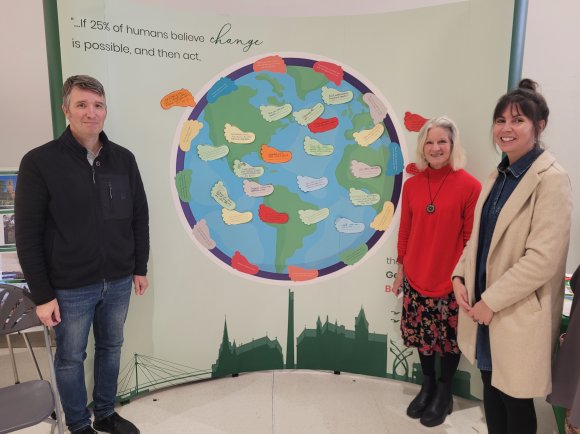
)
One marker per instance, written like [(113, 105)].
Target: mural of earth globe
[(288, 168)]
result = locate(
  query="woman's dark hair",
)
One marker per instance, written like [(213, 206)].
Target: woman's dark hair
[(528, 101)]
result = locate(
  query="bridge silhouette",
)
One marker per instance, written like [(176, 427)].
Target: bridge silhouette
[(145, 374)]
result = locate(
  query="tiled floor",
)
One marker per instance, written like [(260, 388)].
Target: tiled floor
[(286, 402)]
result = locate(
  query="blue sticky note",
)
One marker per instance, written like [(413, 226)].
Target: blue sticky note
[(223, 86), (395, 164)]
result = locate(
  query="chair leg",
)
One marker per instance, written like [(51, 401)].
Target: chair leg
[(57, 407), (11, 350), (31, 351)]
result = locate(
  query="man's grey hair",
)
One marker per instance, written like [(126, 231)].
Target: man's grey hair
[(84, 82)]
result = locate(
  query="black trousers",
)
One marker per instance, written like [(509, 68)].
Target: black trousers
[(505, 414)]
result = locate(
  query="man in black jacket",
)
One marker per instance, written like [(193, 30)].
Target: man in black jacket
[(82, 236)]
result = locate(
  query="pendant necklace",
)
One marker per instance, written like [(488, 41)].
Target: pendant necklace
[(431, 205)]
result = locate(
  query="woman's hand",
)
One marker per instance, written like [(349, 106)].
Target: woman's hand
[(398, 283), (460, 292), (481, 313)]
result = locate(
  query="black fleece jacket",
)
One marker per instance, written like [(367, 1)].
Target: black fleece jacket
[(78, 224)]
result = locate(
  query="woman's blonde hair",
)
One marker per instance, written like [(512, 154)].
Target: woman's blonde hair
[(457, 157)]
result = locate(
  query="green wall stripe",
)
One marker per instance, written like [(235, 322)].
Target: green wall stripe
[(54, 65)]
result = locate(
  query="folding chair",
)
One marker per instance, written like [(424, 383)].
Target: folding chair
[(31, 402)]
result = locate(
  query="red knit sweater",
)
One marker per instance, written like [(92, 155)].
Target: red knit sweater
[(430, 245)]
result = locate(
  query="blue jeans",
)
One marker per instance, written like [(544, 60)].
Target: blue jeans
[(103, 305)]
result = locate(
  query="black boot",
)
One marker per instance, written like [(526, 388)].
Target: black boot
[(422, 400), (439, 407)]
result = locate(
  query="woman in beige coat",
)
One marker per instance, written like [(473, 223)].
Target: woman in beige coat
[(509, 280)]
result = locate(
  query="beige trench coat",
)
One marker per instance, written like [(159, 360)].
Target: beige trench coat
[(525, 279)]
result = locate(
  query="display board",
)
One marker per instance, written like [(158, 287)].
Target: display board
[(10, 270), (273, 152)]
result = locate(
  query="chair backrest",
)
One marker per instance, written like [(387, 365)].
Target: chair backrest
[(26, 404), (17, 310)]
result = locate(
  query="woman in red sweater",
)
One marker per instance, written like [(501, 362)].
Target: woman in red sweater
[(436, 220)]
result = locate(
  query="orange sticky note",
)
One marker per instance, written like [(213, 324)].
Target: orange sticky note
[(178, 98), (270, 63), (298, 274), (272, 155)]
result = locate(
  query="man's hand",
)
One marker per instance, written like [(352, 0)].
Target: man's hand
[(49, 313), (140, 283), (460, 292)]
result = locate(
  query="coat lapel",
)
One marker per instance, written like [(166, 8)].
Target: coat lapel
[(520, 196)]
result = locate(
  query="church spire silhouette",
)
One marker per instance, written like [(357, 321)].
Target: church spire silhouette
[(290, 336)]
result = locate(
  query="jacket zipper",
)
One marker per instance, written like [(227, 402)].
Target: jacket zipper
[(103, 254)]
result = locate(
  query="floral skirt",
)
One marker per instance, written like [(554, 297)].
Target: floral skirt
[(430, 324)]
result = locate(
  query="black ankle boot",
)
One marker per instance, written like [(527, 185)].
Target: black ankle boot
[(439, 407), (422, 400)]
